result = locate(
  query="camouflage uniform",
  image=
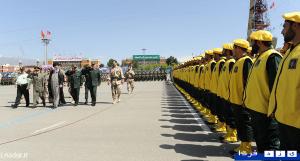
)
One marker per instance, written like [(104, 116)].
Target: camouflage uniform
[(129, 75), (116, 76), (39, 82)]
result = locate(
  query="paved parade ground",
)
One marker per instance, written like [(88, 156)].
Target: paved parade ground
[(155, 123)]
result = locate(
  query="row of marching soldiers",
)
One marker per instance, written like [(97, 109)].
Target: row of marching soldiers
[(249, 97), (52, 83)]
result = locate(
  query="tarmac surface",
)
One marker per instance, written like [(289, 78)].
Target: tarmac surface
[(155, 123)]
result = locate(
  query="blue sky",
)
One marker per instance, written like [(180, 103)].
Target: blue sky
[(120, 28)]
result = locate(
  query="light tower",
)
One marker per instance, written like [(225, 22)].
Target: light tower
[(37, 62), (144, 51), (20, 63), (258, 16), (46, 38)]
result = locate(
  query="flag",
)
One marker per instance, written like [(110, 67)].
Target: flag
[(42, 34), (48, 34), (272, 5)]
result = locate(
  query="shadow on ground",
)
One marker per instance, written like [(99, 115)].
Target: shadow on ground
[(190, 139)]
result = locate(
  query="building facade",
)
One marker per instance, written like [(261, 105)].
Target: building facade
[(8, 68), (68, 61)]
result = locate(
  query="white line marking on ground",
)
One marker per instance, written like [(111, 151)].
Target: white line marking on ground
[(49, 127), (195, 114)]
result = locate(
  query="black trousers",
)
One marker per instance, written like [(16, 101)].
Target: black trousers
[(213, 103), (228, 114), (50, 96), (93, 92), (61, 95), (75, 94), (198, 95), (205, 101), (265, 130), (243, 123), (86, 93), (219, 108), (209, 99), (289, 137), (22, 90)]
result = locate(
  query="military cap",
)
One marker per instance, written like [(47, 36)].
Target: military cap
[(292, 16), (241, 43), (261, 35), (218, 51), (228, 46), (209, 52)]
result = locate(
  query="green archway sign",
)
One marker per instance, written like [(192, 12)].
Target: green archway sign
[(146, 57)]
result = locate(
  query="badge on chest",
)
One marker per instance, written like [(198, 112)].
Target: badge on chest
[(293, 64), (236, 69)]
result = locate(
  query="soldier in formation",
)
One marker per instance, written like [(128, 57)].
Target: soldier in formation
[(240, 90)]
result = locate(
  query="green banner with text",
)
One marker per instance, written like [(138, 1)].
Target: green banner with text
[(146, 57)]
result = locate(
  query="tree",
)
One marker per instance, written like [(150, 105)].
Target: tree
[(171, 61), (110, 62), (135, 64)]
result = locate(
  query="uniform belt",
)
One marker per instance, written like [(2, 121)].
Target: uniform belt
[(116, 79), (23, 84)]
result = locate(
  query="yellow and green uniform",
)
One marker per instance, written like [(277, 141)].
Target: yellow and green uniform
[(284, 100), (216, 103), (215, 76), (223, 93), (238, 79), (223, 87), (200, 73), (202, 78), (208, 73), (256, 99), (260, 81)]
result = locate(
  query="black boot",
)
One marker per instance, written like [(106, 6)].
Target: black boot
[(14, 106)]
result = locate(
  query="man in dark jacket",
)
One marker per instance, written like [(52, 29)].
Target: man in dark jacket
[(75, 82), (85, 72), (93, 81)]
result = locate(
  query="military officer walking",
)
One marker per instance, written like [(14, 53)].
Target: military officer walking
[(116, 79), (93, 81), (75, 82), (39, 83), (86, 72), (129, 76), (22, 88)]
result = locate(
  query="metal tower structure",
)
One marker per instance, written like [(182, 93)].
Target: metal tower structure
[(258, 16), (46, 38)]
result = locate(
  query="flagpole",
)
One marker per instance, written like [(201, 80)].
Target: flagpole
[(46, 54), (46, 40)]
